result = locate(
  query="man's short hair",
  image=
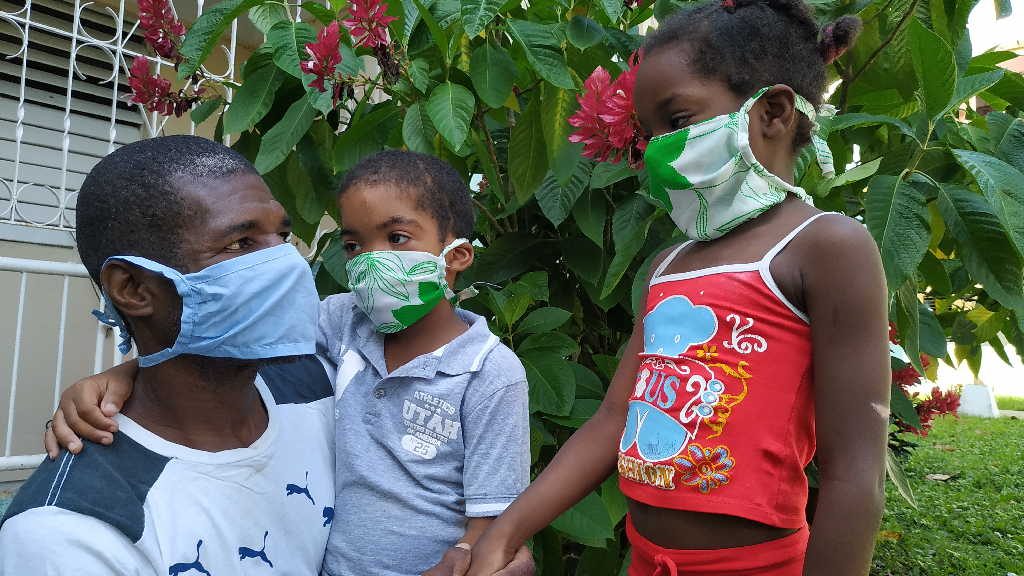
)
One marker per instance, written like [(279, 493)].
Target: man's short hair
[(131, 203)]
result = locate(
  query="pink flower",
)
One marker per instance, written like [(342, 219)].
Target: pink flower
[(163, 32), (325, 56), (367, 22), (154, 93), (606, 121)]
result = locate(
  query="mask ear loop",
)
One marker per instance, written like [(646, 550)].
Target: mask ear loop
[(111, 317), (821, 151)]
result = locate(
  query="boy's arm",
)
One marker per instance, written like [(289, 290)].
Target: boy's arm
[(51, 541), (846, 302), (87, 409)]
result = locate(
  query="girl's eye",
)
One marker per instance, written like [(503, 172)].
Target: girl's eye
[(398, 239), (351, 247), (286, 236)]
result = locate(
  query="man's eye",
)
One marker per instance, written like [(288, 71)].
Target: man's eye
[(398, 239), (238, 244)]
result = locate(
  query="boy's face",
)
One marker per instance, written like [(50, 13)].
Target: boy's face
[(382, 216)]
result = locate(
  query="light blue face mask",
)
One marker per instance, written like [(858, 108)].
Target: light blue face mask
[(260, 305)]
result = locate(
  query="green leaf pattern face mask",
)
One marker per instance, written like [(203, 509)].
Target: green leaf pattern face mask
[(396, 288), (707, 178)]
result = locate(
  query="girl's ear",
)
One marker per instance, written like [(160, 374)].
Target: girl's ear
[(778, 114)]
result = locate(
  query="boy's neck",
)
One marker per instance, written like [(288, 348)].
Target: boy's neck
[(439, 327), (209, 404)]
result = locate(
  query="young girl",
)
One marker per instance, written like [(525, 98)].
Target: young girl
[(763, 339)]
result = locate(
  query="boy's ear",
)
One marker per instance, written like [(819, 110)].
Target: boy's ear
[(129, 289), (460, 258), (778, 114)]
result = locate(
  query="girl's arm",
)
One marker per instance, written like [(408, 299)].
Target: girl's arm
[(846, 300), (586, 460), (87, 409)]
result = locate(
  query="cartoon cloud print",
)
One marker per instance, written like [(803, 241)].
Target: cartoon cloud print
[(675, 324)]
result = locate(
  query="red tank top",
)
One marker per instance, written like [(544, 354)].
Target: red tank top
[(722, 416)]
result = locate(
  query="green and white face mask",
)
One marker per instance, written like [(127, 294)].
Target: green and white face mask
[(708, 179), (396, 288)]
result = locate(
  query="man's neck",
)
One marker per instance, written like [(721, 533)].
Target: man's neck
[(437, 328), (203, 403)]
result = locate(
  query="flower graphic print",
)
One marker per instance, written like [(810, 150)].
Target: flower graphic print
[(705, 468), (684, 394)]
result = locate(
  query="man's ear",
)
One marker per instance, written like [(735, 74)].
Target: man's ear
[(778, 114), (460, 258), (129, 288)]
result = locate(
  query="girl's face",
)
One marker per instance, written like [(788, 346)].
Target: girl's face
[(670, 95)]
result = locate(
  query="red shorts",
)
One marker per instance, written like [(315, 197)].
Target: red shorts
[(781, 557)]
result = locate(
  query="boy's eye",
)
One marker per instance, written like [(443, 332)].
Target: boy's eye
[(397, 239)]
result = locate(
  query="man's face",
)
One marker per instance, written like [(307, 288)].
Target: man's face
[(235, 215)]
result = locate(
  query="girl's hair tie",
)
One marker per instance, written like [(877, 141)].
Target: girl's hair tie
[(729, 5)]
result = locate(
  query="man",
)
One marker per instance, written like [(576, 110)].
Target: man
[(224, 460)]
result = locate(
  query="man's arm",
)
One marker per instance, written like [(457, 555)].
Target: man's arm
[(51, 541), (846, 302)]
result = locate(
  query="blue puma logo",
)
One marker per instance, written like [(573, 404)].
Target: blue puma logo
[(183, 567), (328, 515), (244, 552), (296, 489)]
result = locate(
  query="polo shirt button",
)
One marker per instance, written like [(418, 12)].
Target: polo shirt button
[(379, 393)]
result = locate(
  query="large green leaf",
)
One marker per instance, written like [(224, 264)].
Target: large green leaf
[(582, 410), (584, 32), (279, 141), (613, 9), (417, 131), (934, 67), (1002, 185), (549, 343), (493, 73), (540, 43), (527, 154), (896, 216), (289, 40), (558, 105), (206, 31), (907, 311), (968, 86), (606, 173), (933, 338), (630, 223), (1011, 145), (264, 16), (557, 200), (543, 320), (477, 14), (306, 200), (899, 479), (985, 246), (253, 100), (450, 108), (552, 388), (587, 522), (203, 111), (591, 213)]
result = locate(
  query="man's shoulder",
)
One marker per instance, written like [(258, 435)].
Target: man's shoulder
[(299, 380), (107, 483)]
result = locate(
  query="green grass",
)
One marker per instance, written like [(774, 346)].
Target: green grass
[(1010, 403), (970, 525)]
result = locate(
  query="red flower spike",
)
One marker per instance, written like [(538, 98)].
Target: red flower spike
[(162, 30), (606, 122), (151, 91), (325, 56), (367, 23)]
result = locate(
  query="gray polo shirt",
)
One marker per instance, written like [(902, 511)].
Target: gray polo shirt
[(444, 437)]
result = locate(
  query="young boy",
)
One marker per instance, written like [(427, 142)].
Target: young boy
[(431, 409)]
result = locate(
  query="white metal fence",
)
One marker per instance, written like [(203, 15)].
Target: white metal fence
[(63, 83)]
